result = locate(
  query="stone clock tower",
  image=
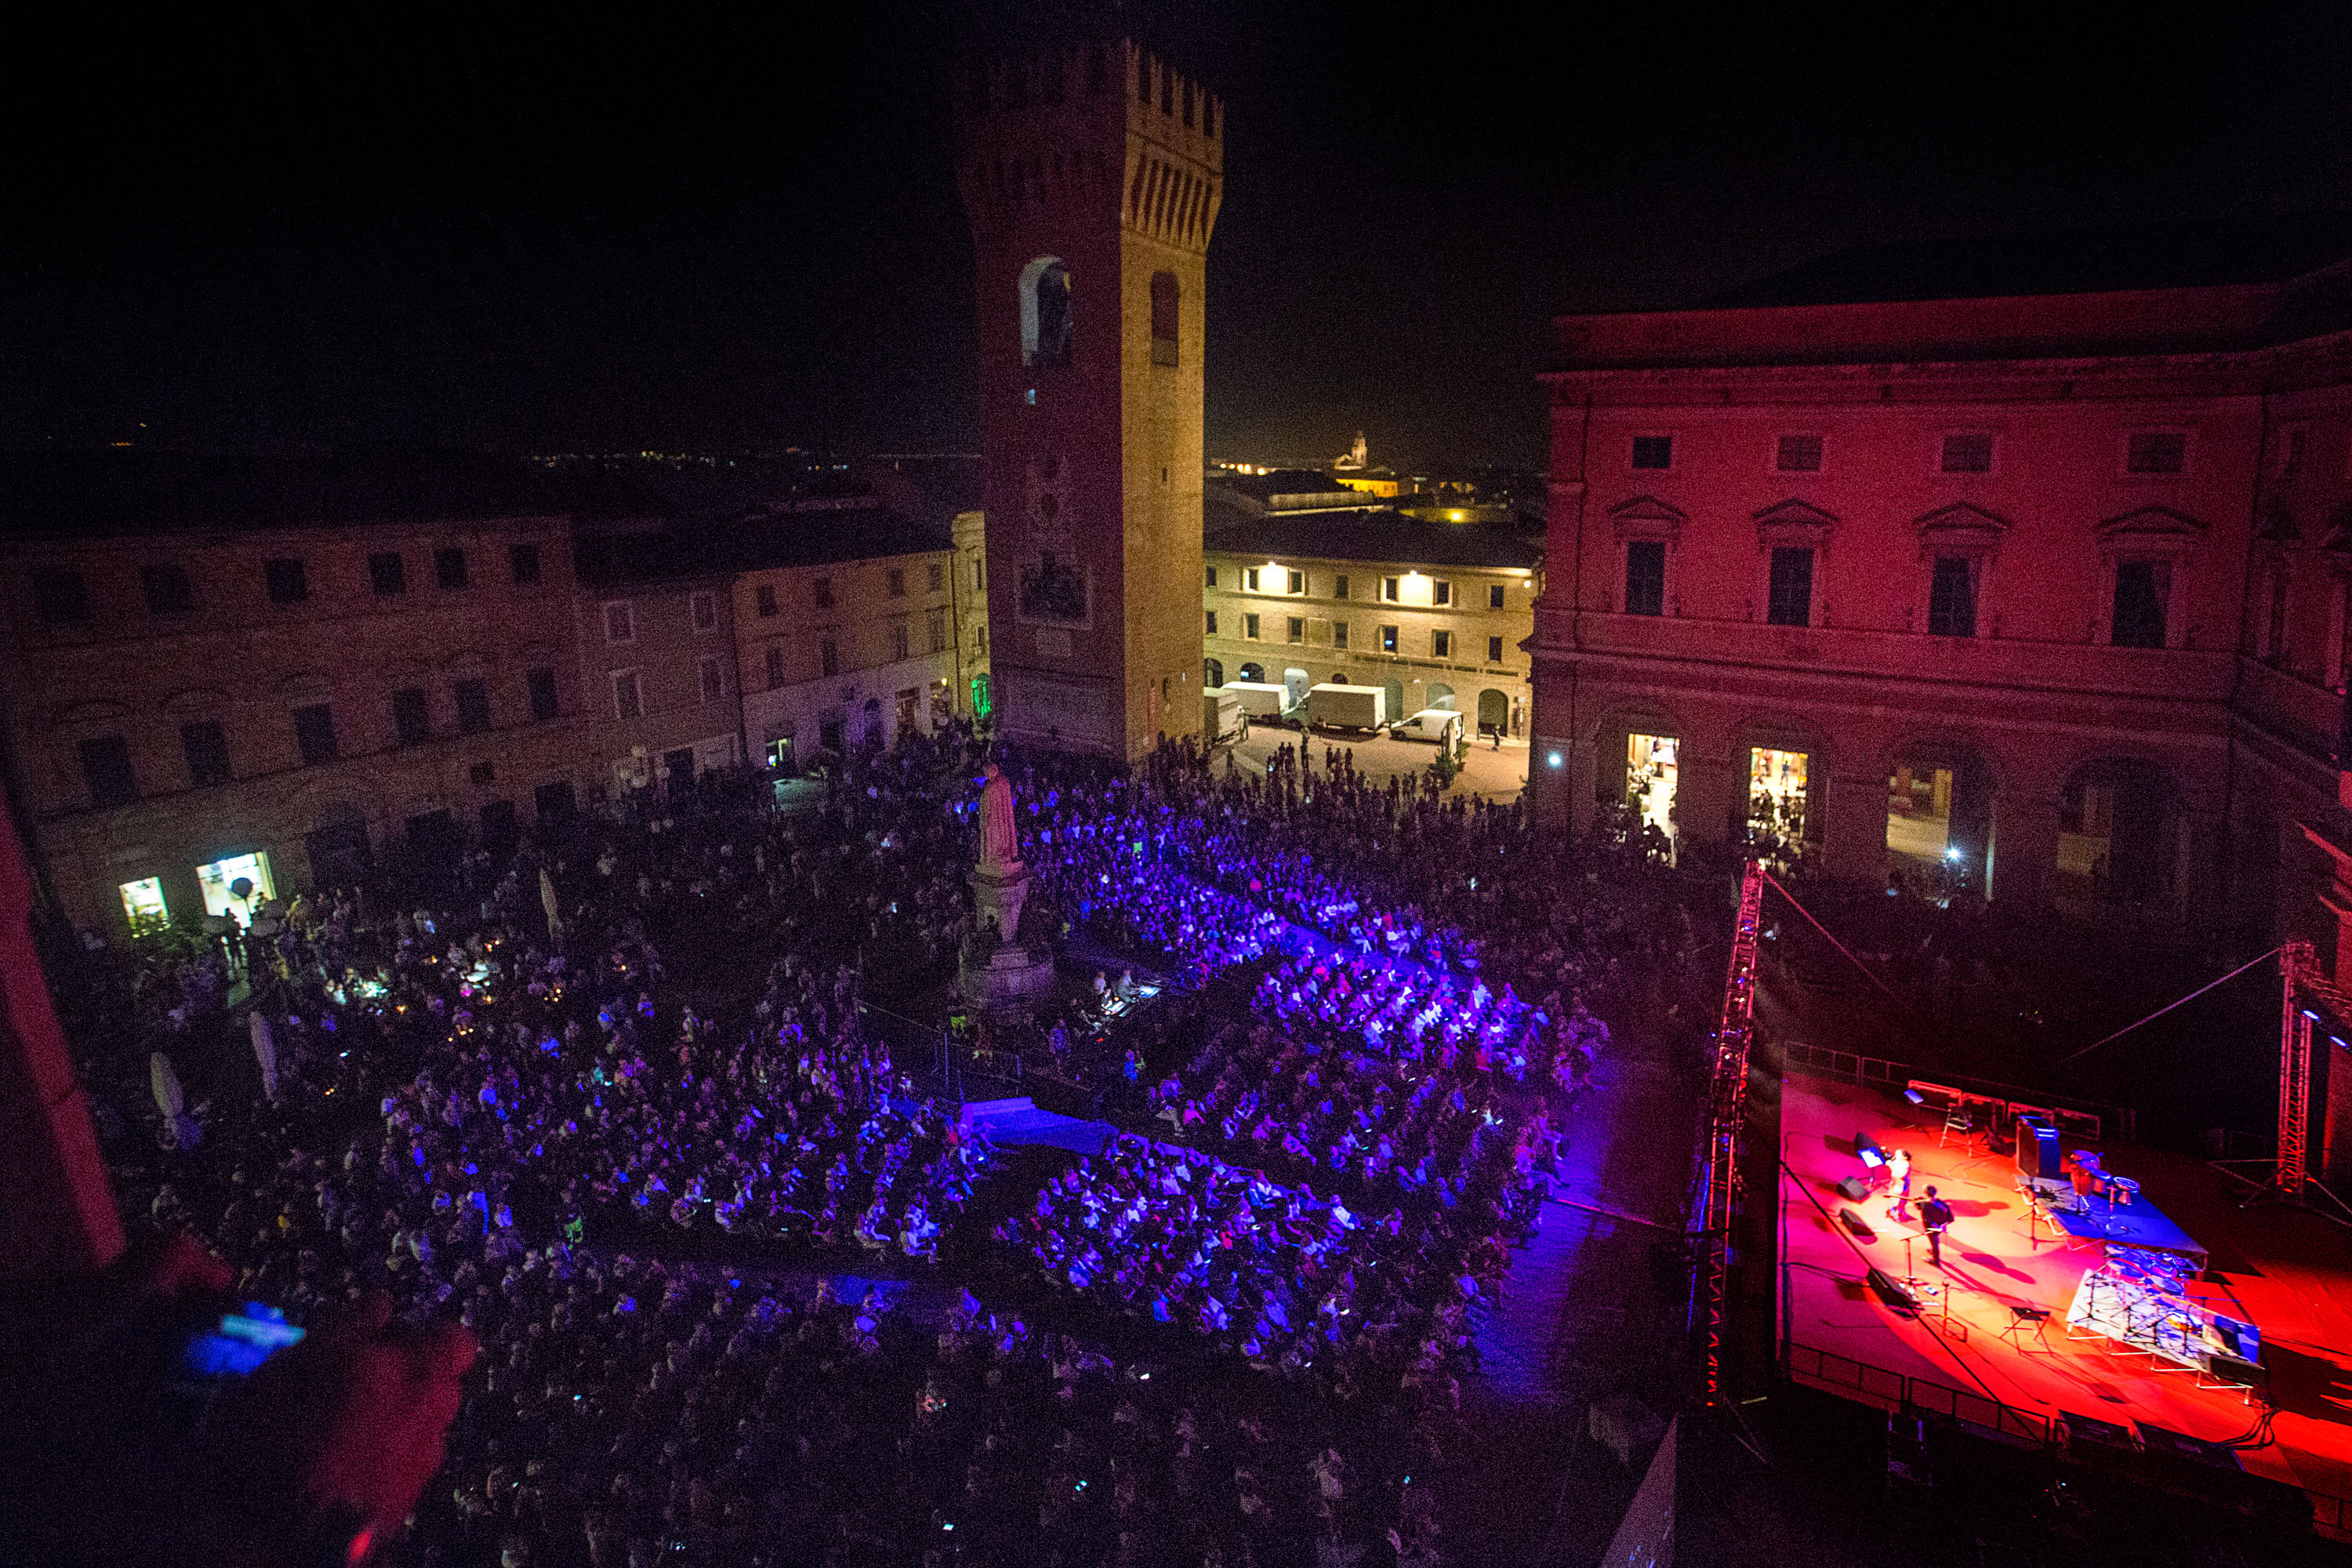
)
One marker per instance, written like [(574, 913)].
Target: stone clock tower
[(1092, 178)]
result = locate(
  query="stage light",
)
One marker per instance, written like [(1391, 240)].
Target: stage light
[(2335, 1040), (2310, 1015), (1551, 759), (1953, 853)]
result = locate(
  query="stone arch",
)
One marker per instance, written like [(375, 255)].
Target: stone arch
[(1213, 672), (1943, 793), (1439, 695), (1494, 711), (1393, 704), (1046, 320), (1253, 672), (2121, 822), (1782, 768)]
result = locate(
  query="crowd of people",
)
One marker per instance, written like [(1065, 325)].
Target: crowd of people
[(543, 1097)]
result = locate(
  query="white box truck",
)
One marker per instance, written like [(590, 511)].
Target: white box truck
[(1332, 705), (1221, 716), (1258, 698)]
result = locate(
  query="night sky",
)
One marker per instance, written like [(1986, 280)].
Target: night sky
[(577, 231)]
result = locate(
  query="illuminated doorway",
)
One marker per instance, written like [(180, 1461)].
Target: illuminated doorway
[(219, 881), (1779, 802), (1919, 829), (1652, 771), (142, 904)]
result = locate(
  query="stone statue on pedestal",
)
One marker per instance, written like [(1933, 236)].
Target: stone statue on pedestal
[(999, 972)]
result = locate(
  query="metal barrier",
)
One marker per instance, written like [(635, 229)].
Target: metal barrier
[(1876, 1386), (2093, 1122), (1884, 1389)]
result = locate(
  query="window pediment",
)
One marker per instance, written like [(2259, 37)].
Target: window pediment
[(1794, 523), (1646, 517), (2156, 528), (1960, 530), (195, 700)]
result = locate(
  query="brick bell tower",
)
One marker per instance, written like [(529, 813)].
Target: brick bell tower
[(1092, 177)]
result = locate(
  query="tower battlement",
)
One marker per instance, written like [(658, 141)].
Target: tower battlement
[(1089, 129)]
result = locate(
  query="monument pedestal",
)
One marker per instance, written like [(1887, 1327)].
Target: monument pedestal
[(1006, 977)]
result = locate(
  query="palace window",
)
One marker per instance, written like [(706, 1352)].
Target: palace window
[(206, 749), (412, 725), (1653, 451), (60, 597), (1789, 602), (169, 592), (1952, 598), (1798, 455), (1968, 452), (2157, 452), (286, 580), (387, 573), (106, 769), (1645, 577), (2142, 588)]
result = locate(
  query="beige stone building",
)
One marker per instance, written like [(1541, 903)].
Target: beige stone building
[(657, 635), (284, 672), (1303, 584), (854, 625)]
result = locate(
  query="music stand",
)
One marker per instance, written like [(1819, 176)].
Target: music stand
[(2020, 1316)]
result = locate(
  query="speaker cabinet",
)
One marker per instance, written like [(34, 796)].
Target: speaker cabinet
[(2037, 1150), (1854, 1188), (1892, 1291), (1859, 1226)]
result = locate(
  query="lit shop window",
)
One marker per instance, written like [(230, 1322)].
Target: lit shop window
[(142, 905)]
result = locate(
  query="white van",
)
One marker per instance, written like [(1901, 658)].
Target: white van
[(1441, 725)]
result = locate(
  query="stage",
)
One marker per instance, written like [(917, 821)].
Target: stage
[(1965, 1353)]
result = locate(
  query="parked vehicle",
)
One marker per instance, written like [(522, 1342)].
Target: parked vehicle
[(1258, 698), (1442, 725), (1332, 705), (1222, 717)]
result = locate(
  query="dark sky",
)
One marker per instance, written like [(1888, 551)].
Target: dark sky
[(570, 230)]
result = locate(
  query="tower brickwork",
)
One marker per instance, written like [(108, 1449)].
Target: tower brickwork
[(1092, 178)]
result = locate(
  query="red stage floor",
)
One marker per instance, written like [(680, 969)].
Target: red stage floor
[(2291, 1271)]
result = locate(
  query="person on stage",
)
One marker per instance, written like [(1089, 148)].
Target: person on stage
[(1937, 1216), (1898, 1184)]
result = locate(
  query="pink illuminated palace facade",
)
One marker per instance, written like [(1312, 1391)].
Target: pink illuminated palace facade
[(2021, 567)]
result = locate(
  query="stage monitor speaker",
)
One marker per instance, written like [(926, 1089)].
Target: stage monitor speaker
[(2037, 1150), (1854, 1188), (1859, 1226), (1892, 1291)]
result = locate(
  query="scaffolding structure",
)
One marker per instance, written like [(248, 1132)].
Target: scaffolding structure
[(1715, 1202)]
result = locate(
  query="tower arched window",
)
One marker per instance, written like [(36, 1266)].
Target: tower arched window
[(1046, 327), (1164, 298)]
